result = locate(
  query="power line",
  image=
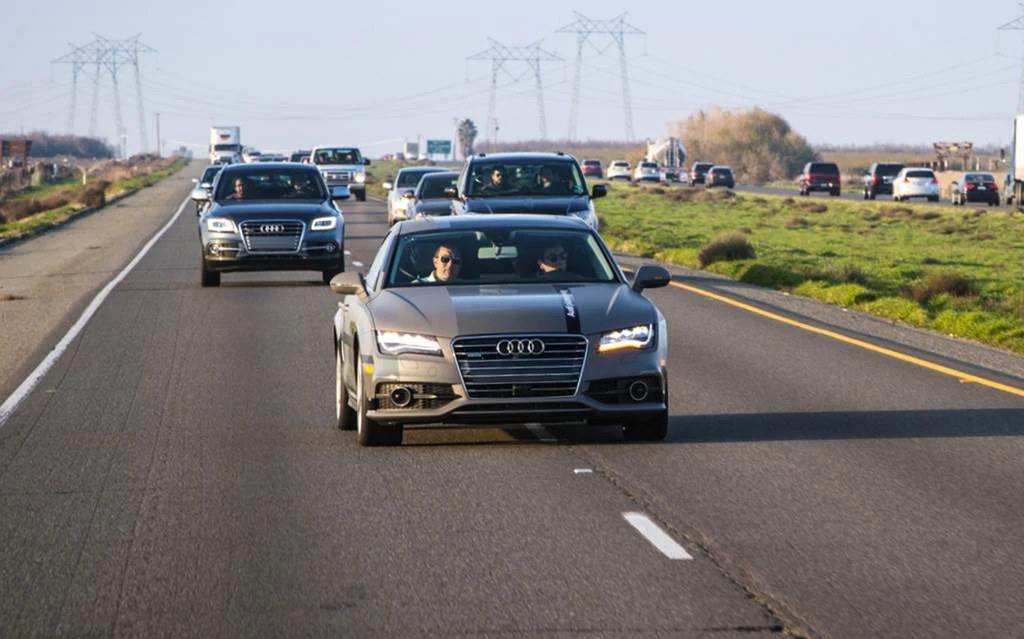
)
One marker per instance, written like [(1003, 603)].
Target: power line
[(1017, 25)]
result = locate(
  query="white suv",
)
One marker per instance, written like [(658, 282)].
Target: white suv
[(619, 170), (915, 182)]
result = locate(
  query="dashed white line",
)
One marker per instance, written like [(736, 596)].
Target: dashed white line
[(582, 471), (658, 537), (357, 264), (348, 252), (20, 393)]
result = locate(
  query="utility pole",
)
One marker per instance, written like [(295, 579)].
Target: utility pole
[(499, 54), (1017, 25), (159, 150), (617, 28)]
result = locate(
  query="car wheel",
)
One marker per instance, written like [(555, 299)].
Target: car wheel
[(344, 414), (371, 433), (867, 196), (651, 429), (872, 195), (835, 193), (208, 277), (360, 196)]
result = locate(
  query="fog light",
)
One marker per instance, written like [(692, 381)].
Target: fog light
[(401, 396), (331, 247), (638, 391), (213, 248)]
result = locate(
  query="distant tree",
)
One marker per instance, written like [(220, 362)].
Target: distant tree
[(758, 145), (45, 145), (467, 137)]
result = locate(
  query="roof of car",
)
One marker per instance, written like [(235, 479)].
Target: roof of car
[(443, 174), (491, 221), (263, 166), (422, 169), (524, 155)]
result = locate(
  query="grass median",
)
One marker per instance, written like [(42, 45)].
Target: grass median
[(30, 224), (959, 271)]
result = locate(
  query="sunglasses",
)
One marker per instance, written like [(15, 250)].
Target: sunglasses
[(448, 258), (553, 258)]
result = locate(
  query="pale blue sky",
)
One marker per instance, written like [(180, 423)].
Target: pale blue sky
[(377, 73)]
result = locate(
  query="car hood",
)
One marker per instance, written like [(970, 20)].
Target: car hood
[(340, 167), (450, 311), (542, 204), (267, 210)]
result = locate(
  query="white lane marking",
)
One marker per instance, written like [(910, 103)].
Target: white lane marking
[(658, 537), (358, 264), (540, 433), (583, 471), (348, 252), (20, 393)]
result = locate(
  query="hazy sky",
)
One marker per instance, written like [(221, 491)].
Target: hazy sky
[(374, 74)]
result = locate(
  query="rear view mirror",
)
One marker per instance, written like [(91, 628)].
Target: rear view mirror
[(408, 194), (651, 276), (350, 283), (195, 180), (599, 190), (387, 186), (451, 193), (366, 161)]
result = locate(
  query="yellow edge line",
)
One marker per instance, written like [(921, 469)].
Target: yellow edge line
[(945, 370)]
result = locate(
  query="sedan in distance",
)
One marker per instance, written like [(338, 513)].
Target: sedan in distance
[(913, 182), (975, 187), (203, 189), (619, 170), (402, 191), (499, 320), (269, 217), (647, 172), (431, 196), (720, 176), (699, 172), (592, 169)]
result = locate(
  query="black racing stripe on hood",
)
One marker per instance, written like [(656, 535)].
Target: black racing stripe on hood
[(572, 311)]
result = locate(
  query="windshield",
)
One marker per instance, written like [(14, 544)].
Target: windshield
[(410, 179), (537, 177), (432, 186), (979, 178), (271, 184), (337, 156), (921, 173), (209, 173), (499, 256)]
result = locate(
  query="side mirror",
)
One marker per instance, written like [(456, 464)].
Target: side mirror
[(451, 192), (195, 180), (350, 283), (387, 186), (650, 276), (366, 161), (599, 190), (409, 194), (200, 195), (340, 193)]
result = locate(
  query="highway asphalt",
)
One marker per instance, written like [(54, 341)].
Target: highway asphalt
[(177, 473)]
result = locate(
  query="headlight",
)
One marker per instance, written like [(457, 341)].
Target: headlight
[(636, 337), (324, 224), (360, 177), (220, 225), (393, 343)]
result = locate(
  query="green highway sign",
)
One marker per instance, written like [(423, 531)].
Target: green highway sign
[(439, 147)]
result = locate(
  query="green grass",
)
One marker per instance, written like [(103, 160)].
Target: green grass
[(869, 256), (60, 215), (47, 189)]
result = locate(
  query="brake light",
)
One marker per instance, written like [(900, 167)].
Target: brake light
[(935, 180), (970, 185), (874, 179), (906, 179)]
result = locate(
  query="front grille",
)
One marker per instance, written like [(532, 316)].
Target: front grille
[(272, 236), (338, 177), (486, 373)]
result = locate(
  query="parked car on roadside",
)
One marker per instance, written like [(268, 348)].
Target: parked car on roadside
[(647, 172), (975, 187), (592, 168), (619, 170), (820, 176), (913, 182), (720, 176), (402, 191), (699, 172), (878, 179)]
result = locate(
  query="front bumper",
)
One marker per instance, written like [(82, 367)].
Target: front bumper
[(440, 398), (318, 251)]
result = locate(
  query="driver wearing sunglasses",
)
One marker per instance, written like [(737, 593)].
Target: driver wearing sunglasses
[(447, 262), (552, 260)]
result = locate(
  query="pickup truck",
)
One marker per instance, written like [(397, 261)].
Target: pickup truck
[(343, 167)]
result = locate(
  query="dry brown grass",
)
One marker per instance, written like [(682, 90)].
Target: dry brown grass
[(949, 283), (726, 248)]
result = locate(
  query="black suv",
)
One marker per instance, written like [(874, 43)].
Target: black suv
[(544, 183), (699, 172), (820, 176), (879, 179)]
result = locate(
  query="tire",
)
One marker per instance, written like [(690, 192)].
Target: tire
[(360, 196), (344, 414), (834, 193), (803, 192), (207, 277), (371, 433), (647, 430), (867, 196)]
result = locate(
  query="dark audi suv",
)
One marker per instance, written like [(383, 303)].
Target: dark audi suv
[(268, 217)]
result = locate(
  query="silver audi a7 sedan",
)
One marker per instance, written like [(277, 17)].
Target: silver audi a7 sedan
[(498, 319)]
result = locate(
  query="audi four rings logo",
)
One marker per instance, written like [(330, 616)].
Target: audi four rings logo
[(272, 228), (520, 347)]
